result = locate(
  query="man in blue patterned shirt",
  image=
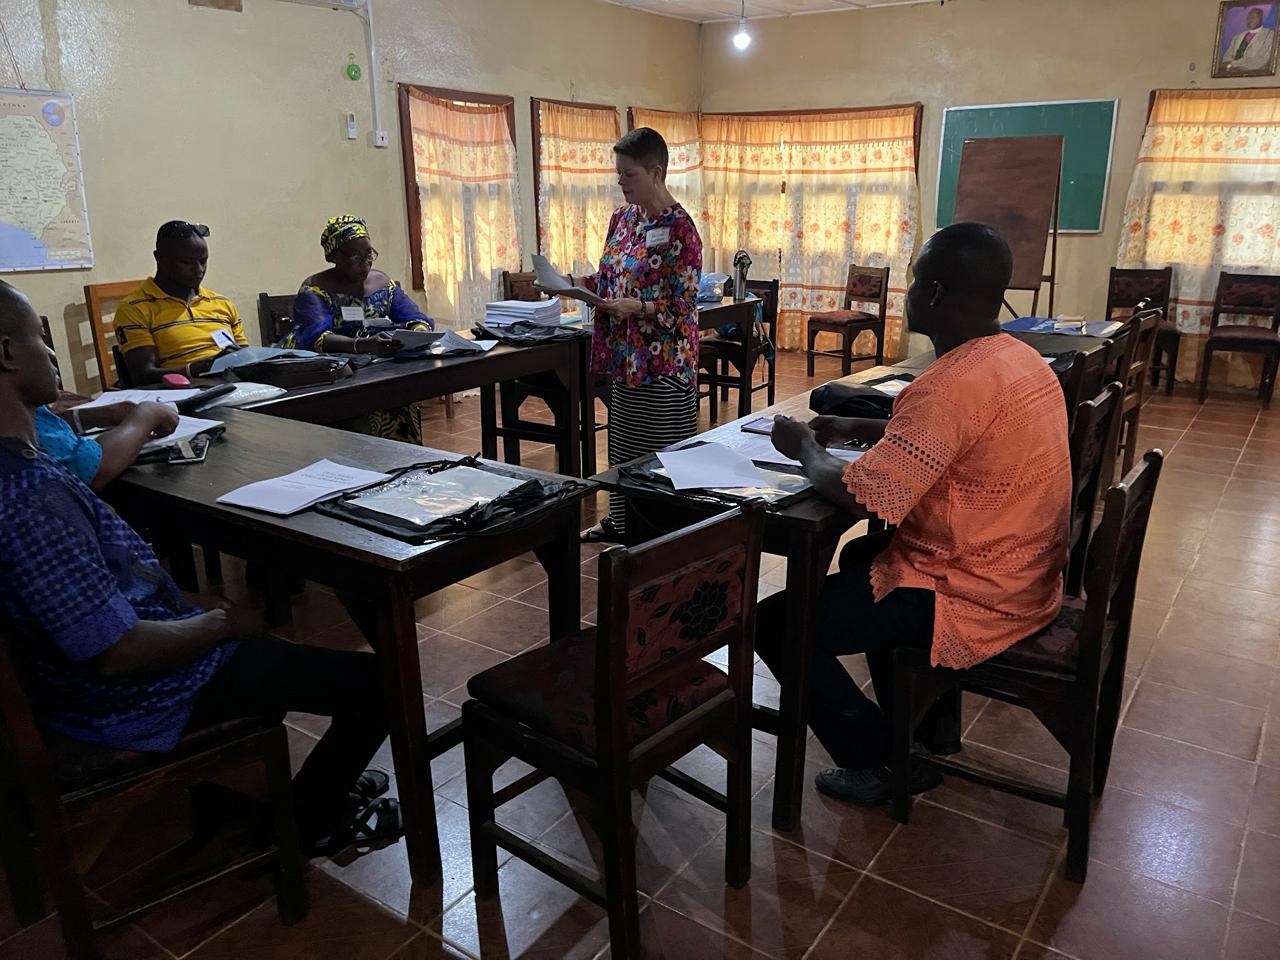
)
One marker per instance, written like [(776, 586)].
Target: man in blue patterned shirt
[(119, 658)]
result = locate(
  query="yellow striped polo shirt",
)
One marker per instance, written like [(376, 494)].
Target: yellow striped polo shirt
[(180, 332)]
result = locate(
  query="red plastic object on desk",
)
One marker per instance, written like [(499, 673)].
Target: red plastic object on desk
[(175, 381)]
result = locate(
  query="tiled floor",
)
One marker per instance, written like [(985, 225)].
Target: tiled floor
[(1186, 839)]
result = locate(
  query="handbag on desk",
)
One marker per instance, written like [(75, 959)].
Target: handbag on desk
[(850, 400), (291, 372)]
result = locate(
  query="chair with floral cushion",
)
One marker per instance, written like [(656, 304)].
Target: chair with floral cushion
[(1245, 295), (608, 709), (1070, 675), (864, 285), (1126, 289)]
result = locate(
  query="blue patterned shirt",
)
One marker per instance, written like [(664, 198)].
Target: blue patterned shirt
[(77, 579), (81, 455)]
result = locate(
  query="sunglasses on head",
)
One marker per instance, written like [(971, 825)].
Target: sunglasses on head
[(180, 229)]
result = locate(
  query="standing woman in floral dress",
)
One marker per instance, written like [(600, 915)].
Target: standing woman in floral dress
[(645, 336)]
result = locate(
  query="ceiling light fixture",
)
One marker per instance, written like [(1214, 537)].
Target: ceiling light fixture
[(742, 39)]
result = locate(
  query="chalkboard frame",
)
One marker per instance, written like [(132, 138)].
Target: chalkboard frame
[(1106, 180)]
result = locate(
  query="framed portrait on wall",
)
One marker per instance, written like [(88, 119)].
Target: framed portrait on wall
[(1246, 44)]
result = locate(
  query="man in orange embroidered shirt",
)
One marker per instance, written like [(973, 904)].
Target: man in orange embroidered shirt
[(974, 471)]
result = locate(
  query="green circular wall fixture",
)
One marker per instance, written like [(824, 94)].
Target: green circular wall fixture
[(353, 69)]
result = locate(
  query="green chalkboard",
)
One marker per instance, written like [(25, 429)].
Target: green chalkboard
[(1087, 126)]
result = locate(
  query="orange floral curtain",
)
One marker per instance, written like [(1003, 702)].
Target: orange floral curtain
[(465, 168), (851, 197), (1205, 198), (683, 134), (577, 182), (742, 191)]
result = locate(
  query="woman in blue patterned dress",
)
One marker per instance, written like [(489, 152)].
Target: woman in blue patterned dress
[(332, 307)]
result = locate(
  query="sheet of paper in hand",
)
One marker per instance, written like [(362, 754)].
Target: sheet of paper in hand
[(552, 281)]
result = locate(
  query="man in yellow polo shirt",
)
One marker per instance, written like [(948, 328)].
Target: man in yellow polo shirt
[(171, 324)]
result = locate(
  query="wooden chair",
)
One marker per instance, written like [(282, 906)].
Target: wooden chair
[(613, 707), (1069, 675), (1250, 295), (1143, 329), (1125, 290), (96, 298), (742, 352), (864, 285), (51, 783), (1093, 444), (275, 316)]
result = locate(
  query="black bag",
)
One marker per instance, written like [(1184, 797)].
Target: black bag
[(850, 400), (288, 372), (525, 334)]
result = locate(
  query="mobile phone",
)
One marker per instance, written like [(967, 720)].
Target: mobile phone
[(190, 451), (762, 425)]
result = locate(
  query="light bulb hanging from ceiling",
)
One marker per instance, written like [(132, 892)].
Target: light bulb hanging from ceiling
[(742, 39)]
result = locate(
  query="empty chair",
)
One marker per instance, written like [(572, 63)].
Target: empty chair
[(275, 316), (728, 360), (1069, 675), (1143, 329), (1249, 295), (609, 709), (1093, 443), (864, 285), (1126, 289)]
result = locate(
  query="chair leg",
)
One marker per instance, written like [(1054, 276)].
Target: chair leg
[(1173, 364), (480, 767), (879, 335), (1129, 430), (744, 386), (1109, 699), (724, 372), (900, 740), (1079, 808), (291, 890), (69, 898), (16, 848), (772, 365), (808, 354), (1204, 372), (1269, 368), (1075, 567), (846, 352), (737, 846), (713, 400), (617, 837)]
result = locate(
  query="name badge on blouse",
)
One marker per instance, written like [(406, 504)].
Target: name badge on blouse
[(224, 340), (353, 315), (657, 237)]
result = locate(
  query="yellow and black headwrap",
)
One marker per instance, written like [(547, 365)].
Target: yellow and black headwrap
[(338, 230)]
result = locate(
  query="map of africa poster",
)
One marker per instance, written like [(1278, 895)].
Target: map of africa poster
[(44, 222)]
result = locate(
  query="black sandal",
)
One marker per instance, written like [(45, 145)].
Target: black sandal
[(602, 532), (374, 825), (371, 784)]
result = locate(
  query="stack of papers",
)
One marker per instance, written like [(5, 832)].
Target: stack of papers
[(759, 447), (553, 281), (187, 428), (302, 488), (544, 313), (139, 396), (710, 465)]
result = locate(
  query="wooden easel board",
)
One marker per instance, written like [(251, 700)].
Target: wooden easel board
[(1011, 183)]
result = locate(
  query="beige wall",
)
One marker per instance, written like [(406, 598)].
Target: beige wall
[(974, 52), (237, 120)]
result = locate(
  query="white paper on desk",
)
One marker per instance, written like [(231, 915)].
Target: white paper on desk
[(302, 488), (710, 465), (891, 387), (138, 396), (187, 428), (552, 281), (759, 447)]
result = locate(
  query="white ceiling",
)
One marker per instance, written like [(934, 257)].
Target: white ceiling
[(706, 11)]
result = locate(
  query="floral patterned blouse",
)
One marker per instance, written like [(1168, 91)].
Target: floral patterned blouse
[(657, 261)]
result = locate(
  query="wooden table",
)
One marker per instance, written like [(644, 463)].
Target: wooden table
[(386, 384), (390, 573), (806, 533), (744, 313)]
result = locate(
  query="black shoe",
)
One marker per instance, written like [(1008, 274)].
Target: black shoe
[(873, 787), (602, 532)]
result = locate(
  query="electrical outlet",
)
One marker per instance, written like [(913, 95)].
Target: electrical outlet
[(353, 131), (380, 138)]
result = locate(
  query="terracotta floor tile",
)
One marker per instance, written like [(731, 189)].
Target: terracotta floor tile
[(509, 626), (670, 830), (1120, 916), (427, 947), (1231, 525), (1209, 783), (830, 827), (43, 941), (1197, 719), (1230, 601), (1251, 939), (1258, 891), (533, 917), (1162, 842), (1036, 820), (665, 934), (1202, 671), (1033, 951), (1270, 752), (1243, 550), (448, 661), (1223, 634), (1269, 470), (1205, 448), (1239, 571), (537, 596), (1264, 809), (792, 894), (1014, 730), (1211, 466), (453, 604), (887, 923), (508, 579), (340, 925), (703, 763), (529, 814), (1149, 617), (985, 871)]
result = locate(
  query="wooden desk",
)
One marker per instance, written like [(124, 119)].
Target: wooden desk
[(744, 313), (390, 573), (386, 384)]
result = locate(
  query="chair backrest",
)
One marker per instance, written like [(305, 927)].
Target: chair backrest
[(1111, 573), (46, 334), (666, 604), (97, 298), (867, 285), (766, 290), (1125, 288), (519, 286), (275, 316), (124, 377), (1249, 295), (1143, 327), (1094, 431)]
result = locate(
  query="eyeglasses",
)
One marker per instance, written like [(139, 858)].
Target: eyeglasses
[(180, 230), (368, 257)]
